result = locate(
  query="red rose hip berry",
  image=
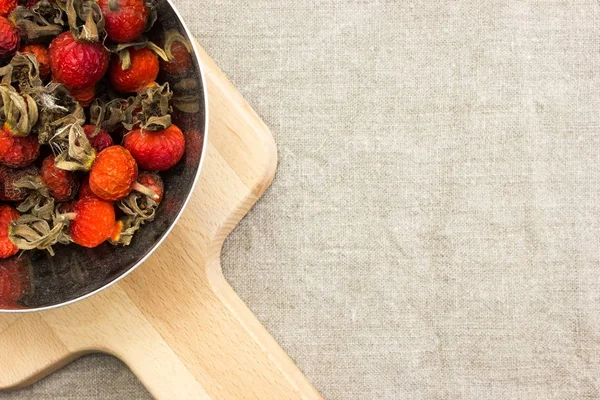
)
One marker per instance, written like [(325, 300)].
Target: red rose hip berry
[(99, 140), (8, 178), (62, 184), (7, 6), (126, 20), (85, 191), (142, 72), (10, 38), (14, 282), (84, 96), (94, 222), (181, 62), (113, 174), (18, 151), (7, 215), (152, 181), (77, 64), (156, 151)]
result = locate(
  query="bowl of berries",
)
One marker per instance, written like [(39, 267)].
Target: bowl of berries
[(103, 118)]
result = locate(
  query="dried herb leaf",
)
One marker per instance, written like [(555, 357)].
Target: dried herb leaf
[(42, 22), (30, 232), (150, 110), (85, 19), (122, 50), (19, 111), (108, 116), (128, 227), (72, 149)]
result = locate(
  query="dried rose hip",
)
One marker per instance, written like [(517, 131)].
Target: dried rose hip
[(142, 72), (18, 151), (9, 176), (7, 6), (10, 38), (181, 62), (85, 191), (99, 140), (125, 19), (94, 222), (43, 57), (76, 63), (14, 282), (113, 174), (156, 151), (153, 182), (62, 184), (84, 96), (7, 215)]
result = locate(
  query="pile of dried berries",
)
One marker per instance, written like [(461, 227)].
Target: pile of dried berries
[(79, 76)]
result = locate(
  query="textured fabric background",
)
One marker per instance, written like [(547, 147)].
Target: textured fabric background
[(433, 231)]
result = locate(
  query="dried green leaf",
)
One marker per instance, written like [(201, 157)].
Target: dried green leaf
[(19, 113), (74, 154), (30, 232), (42, 22), (85, 19), (107, 116), (129, 226)]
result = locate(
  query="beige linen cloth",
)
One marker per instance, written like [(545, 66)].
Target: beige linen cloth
[(434, 228)]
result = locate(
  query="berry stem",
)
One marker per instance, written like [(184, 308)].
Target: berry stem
[(124, 231), (67, 216), (138, 187)]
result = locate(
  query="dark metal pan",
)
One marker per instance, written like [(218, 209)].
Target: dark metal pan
[(75, 273)]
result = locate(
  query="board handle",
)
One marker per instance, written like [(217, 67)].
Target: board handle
[(163, 374), (215, 350)]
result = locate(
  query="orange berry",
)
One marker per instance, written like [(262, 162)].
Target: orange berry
[(94, 222), (113, 174), (143, 70), (156, 151)]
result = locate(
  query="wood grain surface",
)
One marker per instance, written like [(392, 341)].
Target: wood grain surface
[(175, 321)]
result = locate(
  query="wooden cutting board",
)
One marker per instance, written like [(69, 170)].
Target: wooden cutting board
[(175, 321)]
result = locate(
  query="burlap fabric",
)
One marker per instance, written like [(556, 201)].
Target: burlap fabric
[(433, 231)]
